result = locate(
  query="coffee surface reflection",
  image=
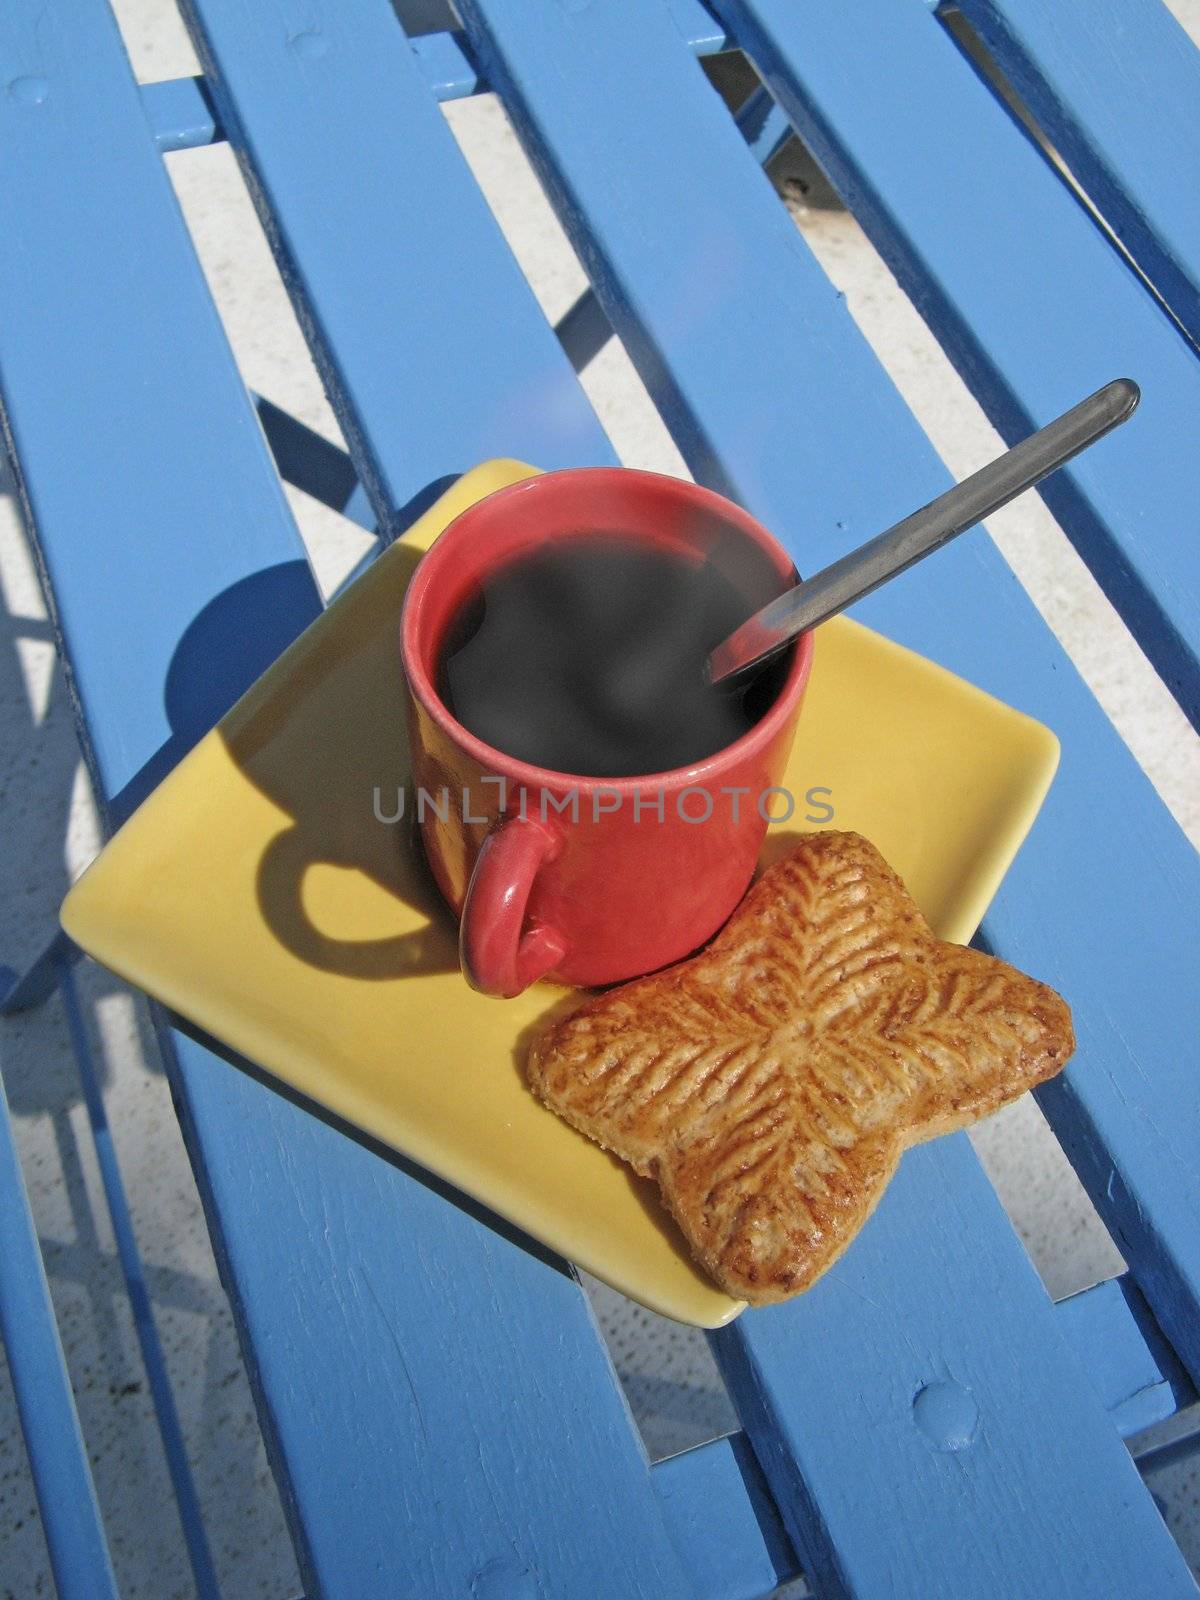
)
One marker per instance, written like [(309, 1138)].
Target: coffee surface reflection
[(587, 657)]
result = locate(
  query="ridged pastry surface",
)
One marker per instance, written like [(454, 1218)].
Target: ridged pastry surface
[(770, 1083)]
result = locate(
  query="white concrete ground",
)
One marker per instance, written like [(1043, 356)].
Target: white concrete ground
[(48, 832)]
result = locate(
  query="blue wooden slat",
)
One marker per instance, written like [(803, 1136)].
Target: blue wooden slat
[(447, 1415), (1118, 1343), (440, 1410), (1022, 289), (295, 86), (180, 114), (896, 1399), (1106, 83), (726, 1525), (66, 1495), (106, 315), (584, 330), (447, 65), (771, 392), (1103, 901)]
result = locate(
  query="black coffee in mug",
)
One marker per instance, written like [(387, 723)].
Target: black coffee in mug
[(588, 656)]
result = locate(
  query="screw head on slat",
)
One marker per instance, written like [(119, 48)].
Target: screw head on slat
[(504, 1578), (28, 91), (310, 44), (946, 1413)]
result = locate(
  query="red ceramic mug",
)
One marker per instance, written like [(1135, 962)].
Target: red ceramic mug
[(580, 879)]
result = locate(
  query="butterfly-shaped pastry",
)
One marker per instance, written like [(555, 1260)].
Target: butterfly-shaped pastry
[(771, 1083)]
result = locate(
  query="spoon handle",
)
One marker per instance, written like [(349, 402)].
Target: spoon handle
[(818, 598)]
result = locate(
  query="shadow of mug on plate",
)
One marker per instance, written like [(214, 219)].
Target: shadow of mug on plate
[(581, 879)]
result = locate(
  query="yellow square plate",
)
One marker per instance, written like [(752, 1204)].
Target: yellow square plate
[(256, 893)]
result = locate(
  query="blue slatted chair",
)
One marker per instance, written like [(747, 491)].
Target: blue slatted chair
[(493, 1455)]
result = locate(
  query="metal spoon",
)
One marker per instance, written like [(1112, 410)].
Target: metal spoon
[(857, 574)]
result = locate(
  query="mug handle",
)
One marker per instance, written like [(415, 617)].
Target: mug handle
[(497, 956)]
